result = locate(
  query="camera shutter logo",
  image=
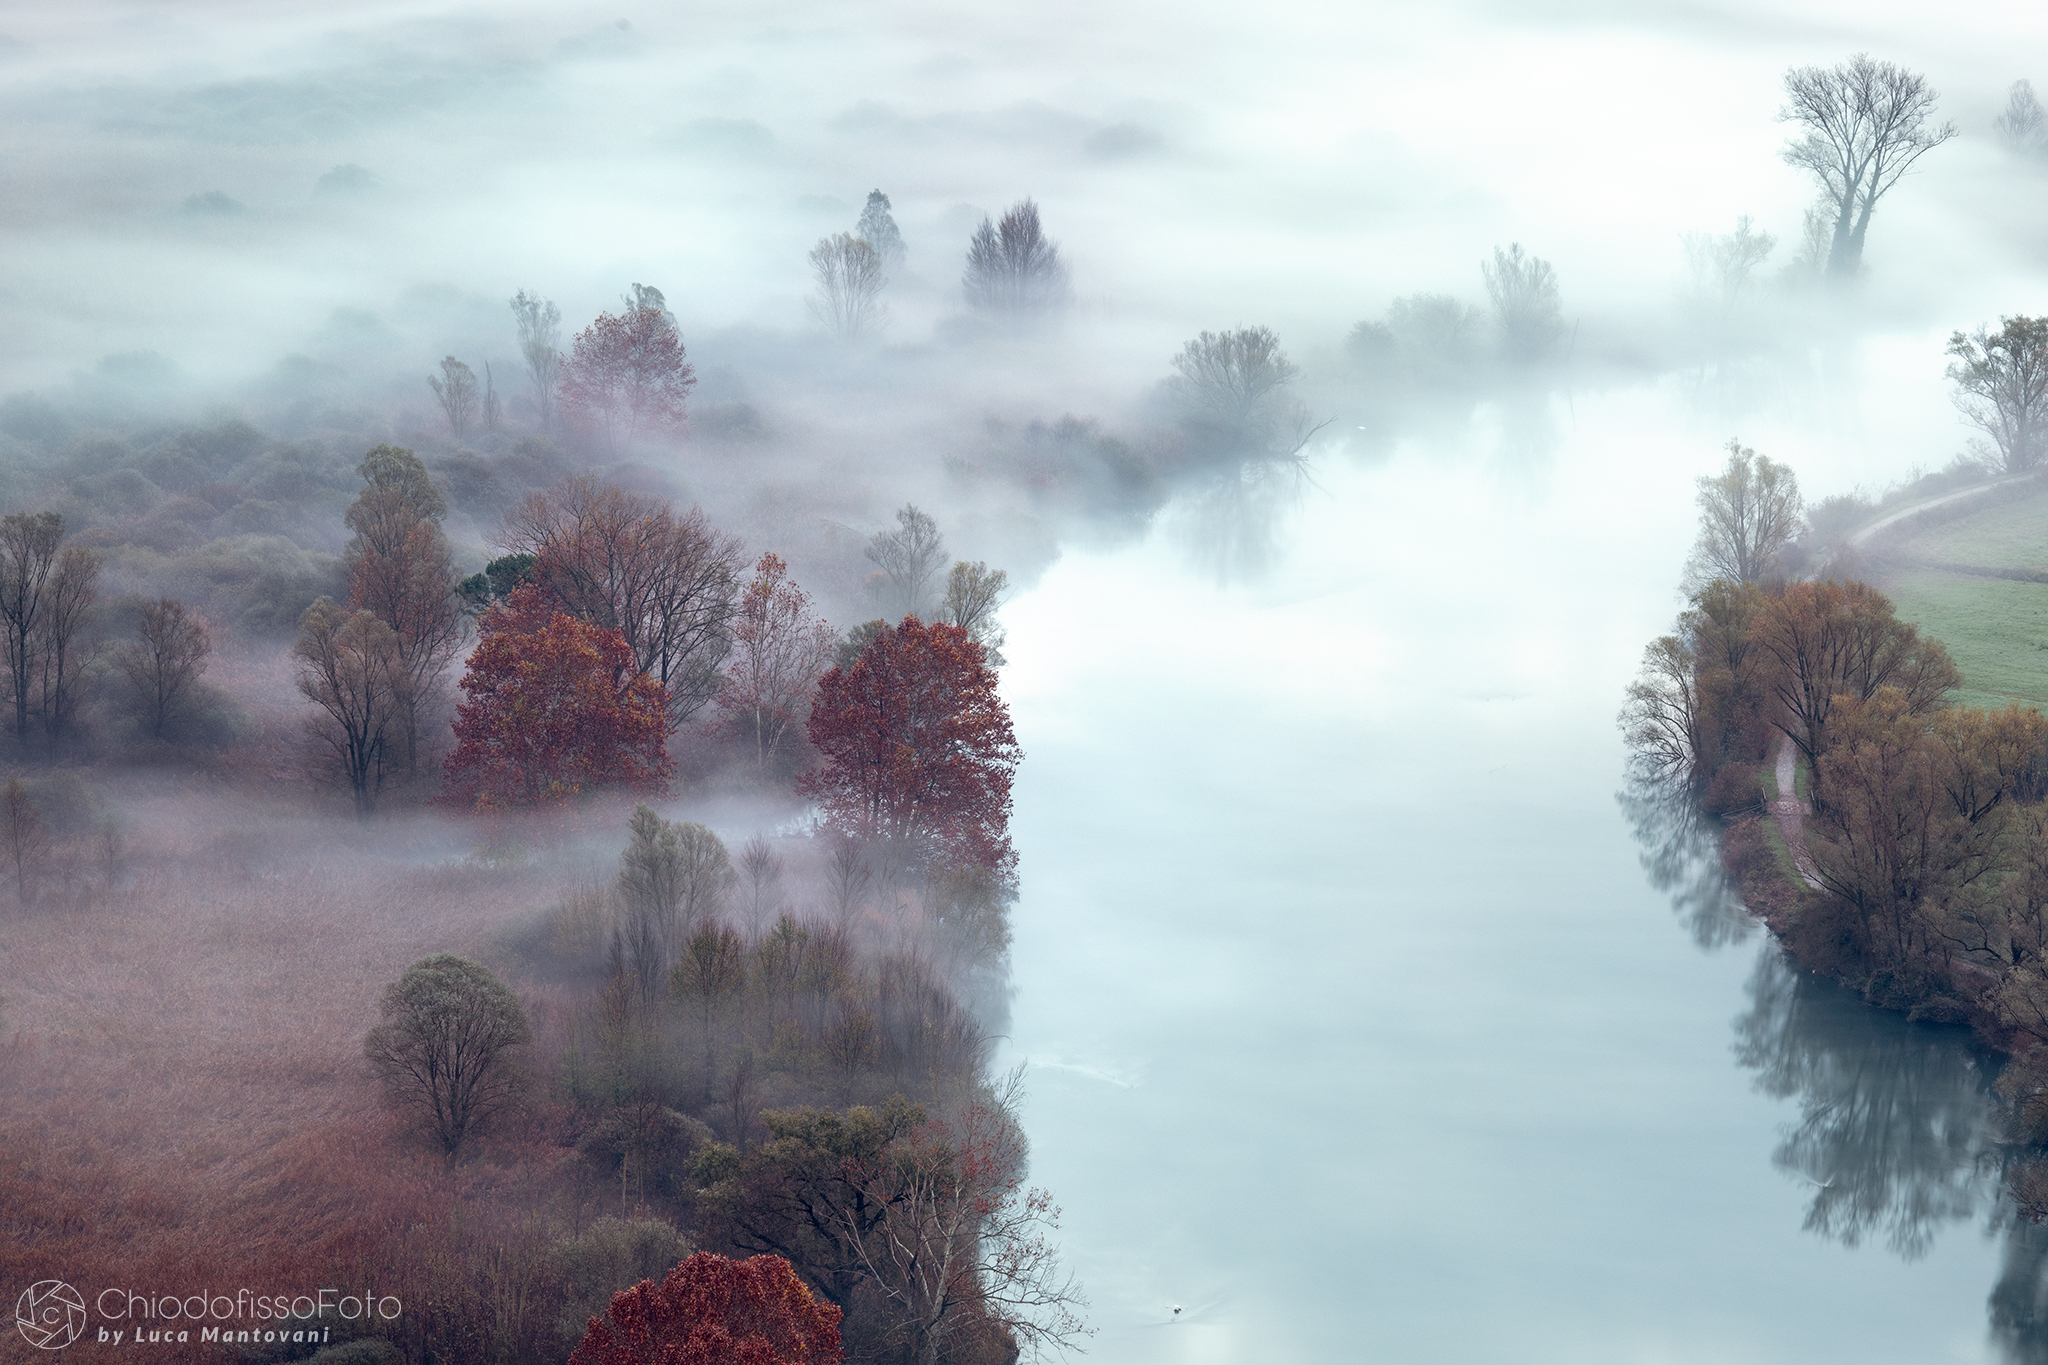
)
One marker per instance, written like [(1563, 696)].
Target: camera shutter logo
[(50, 1314)]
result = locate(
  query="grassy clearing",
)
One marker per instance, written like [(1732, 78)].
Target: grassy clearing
[(2010, 535), (1996, 629)]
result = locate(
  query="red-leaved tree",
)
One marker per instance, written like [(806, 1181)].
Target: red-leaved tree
[(712, 1311), (625, 374), (918, 748), (779, 651), (553, 706)]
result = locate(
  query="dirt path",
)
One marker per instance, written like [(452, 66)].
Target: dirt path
[(1790, 811)]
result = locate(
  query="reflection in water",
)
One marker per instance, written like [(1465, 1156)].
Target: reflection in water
[(1895, 1129), (1682, 856), (1231, 523), (2019, 1301)]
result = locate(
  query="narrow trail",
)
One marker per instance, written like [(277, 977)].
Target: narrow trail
[(1790, 811)]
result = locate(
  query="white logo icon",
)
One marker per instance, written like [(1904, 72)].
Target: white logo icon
[(50, 1314)]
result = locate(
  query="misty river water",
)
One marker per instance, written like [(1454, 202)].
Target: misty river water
[(1371, 1018)]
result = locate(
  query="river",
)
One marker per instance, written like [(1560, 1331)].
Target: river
[(1370, 1017)]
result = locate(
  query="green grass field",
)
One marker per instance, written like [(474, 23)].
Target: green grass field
[(2011, 535), (1995, 629)]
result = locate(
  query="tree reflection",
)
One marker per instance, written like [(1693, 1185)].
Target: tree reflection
[(1895, 1129), (1232, 521), (1681, 855)]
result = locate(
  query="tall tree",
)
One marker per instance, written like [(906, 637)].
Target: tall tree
[(780, 650), (1748, 512), (554, 706), (349, 668), (849, 276), (445, 1048), (712, 1311), (61, 647), (974, 593), (540, 339), (2023, 126), (1013, 268), (672, 875), (1864, 124), (399, 567), (1523, 290), (455, 387), (163, 663), (28, 556), (2001, 381), (908, 558), (24, 839), (918, 749), (1823, 642), (627, 374), (669, 584), (877, 227)]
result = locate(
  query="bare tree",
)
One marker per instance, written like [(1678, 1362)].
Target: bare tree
[(974, 593), (2023, 127), (962, 1236), (24, 839), (668, 583), (847, 876), (399, 567), (1523, 289), (455, 386), (850, 277), (761, 875), (493, 407), (1233, 374), (62, 651), (540, 345), (908, 557), (349, 668), (1723, 267), (1747, 514), (164, 663), (1013, 267), (672, 875), (877, 227), (2001, 381), (28, 556), (1864, 125)]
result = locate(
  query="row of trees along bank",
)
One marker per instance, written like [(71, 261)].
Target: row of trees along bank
[(1923, 876)]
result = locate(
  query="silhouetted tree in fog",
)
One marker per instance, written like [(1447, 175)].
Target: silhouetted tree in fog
[(849, 276), (445, 1047), (61, 649), (672, 875), (163, 664), (1235, 389), (491, 407), (1013, 267), (455, 386), (349, 667), (1864, 125), (668, 583), (1748, 513), (1523, 289), (28, 557), (23, 837), (2001, 381), (1722, 267), (540, 339), (627, 374), (877, 227), (399, 567), (2023, 127), (780, 650), (974, 592), (908, 558)]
